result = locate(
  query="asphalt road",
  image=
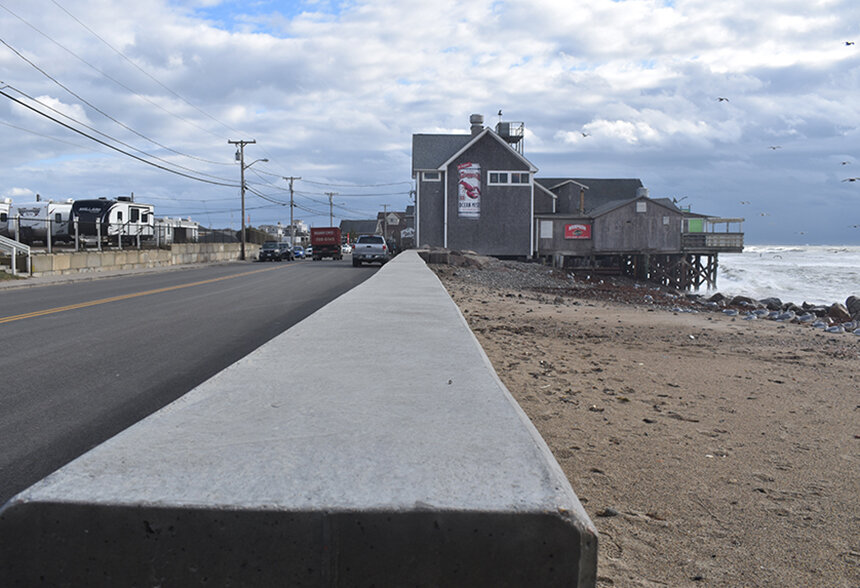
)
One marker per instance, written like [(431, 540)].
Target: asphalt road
[(81, 361)]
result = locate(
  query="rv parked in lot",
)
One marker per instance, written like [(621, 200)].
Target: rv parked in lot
[(112, 219), (5, 204), (31, 222)]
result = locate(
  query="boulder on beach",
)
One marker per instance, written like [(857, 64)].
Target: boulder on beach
[(852, 304), (839, 313), (743, 301), (772, 303)]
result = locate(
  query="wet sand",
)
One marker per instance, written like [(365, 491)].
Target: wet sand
[(708, 450)]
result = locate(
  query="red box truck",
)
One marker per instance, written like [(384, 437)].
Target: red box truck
[(326, 242)]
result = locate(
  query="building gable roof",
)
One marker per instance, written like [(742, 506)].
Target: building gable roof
[(436, 152), (487, 131), (429, 151), (610, 206)]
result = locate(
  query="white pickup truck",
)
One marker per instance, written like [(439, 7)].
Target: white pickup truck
[(370, 249)]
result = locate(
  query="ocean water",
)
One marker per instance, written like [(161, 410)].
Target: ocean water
[(818, 274)]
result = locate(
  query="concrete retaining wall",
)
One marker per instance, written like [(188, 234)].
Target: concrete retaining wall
[(94, 261), (381, 450)]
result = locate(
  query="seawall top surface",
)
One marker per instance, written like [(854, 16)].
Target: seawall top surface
[(382, 400)]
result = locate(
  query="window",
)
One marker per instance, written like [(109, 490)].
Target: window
[(135, 215), (145, 217), (432, 176), (119, 215), (546, 229), (3, 217), (504, 178), (58, 218), (642, 206)]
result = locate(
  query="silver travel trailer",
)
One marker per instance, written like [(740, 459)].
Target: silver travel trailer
[(109, 220), (31, 222), (5, 204)]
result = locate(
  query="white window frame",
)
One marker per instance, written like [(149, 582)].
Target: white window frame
[(428, 176), (509, 177)]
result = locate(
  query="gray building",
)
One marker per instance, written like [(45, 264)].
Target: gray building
[(478, 192), (474, 192)]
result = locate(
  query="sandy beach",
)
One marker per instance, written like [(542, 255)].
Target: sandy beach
[(708, 450)]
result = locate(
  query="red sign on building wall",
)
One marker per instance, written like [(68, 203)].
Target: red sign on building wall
[(577, 231)]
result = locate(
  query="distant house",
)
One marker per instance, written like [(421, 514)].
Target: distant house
[(478, 192)]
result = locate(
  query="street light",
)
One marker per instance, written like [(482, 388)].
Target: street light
[(240, 156)]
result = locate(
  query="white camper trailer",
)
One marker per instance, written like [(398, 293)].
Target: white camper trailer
[(5, 204), (112, 219), (31, 222)]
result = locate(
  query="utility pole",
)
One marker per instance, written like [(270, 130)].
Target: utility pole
[(292, 222), (385, 221), (240, 155), (330, 211)]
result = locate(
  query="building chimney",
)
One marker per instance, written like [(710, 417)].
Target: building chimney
[(477, 122), (581, 200)]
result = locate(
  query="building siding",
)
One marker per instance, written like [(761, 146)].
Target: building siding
[(504, 225), (624, 229)]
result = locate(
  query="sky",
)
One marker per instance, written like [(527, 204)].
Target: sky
[(735, 113)]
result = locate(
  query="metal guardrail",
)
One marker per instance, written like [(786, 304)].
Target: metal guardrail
[(14, 248)]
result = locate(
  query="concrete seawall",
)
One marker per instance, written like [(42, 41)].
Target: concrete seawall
[(371, 444), (73, 262)]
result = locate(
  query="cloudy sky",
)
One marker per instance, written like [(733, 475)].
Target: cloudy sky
[(736, 113)]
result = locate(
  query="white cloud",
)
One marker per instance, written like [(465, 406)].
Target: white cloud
[(334, 92)]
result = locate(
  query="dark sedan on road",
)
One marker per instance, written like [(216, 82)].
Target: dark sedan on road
[(286, 251), (270, 252)]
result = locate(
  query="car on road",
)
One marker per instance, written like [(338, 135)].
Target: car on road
[(298, 252), (346, 248), (270, 251), (370, 249), (309, 251), (286, 251)]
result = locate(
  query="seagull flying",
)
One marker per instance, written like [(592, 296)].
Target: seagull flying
[(848, 43), (745, 201), (851, 180), (584, 134), (775, 147), (722, 99)]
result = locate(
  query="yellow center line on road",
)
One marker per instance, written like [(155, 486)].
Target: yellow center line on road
[(18, 317)]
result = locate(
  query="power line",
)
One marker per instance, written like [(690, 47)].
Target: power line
[(108, 145), (144, 72), (114, 80), (99, 110), (123, 143), (358, 185)]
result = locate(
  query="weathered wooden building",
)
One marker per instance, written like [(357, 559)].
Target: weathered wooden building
[(478, 192)]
